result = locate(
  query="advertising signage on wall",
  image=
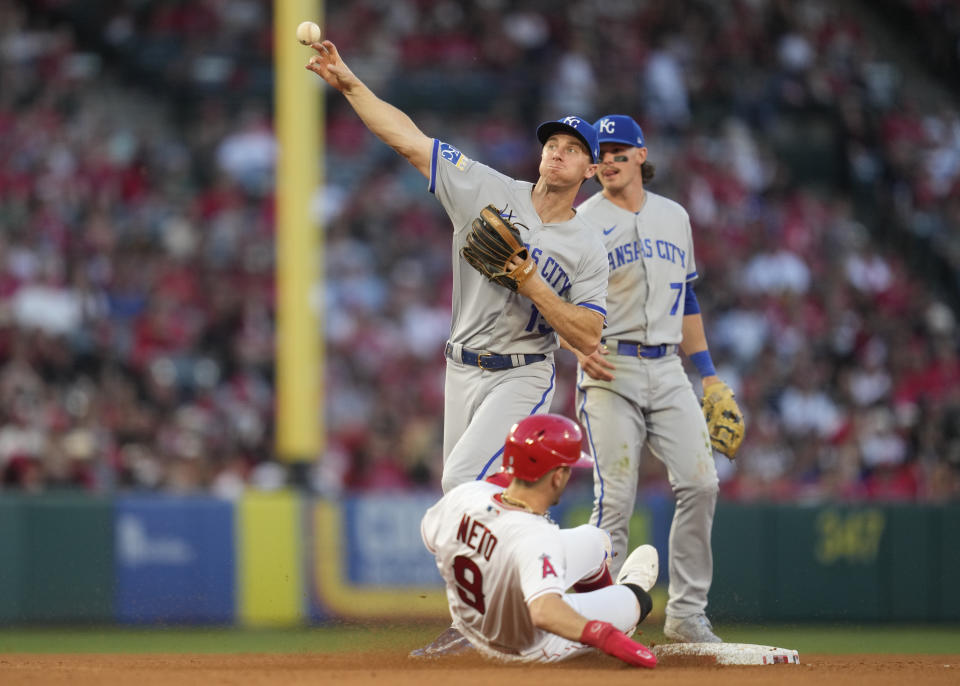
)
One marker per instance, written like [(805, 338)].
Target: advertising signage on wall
[(174, 560)]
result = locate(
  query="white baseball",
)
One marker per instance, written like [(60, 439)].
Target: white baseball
[(308, 33)]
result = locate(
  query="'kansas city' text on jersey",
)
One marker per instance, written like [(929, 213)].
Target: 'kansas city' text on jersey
[(569, 256), (650, 258)]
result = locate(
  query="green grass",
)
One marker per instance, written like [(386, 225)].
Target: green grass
[(833, 639), (213, 640)]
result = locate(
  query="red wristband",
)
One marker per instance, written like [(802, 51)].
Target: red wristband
[(606, 637)]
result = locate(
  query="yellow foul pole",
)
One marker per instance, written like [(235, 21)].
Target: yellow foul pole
[(299, 127)]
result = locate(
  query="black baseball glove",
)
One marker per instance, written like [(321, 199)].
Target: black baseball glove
[(492, 244)]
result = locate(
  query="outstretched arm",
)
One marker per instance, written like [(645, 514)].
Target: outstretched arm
[(385, 121), (550, 613)]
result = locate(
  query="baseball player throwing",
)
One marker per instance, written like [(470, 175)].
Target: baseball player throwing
[(634, 390), (506, 316), (507, 567)]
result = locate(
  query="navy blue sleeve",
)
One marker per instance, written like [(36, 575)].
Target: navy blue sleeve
[(690, 304)]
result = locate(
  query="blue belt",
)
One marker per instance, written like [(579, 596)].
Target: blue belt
[(490, 361), (632, 349)]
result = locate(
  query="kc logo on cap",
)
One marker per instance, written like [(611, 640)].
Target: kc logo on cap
[(576, 126), (619, 128)]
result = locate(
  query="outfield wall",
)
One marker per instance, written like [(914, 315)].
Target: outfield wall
[(282, 559), (865, 562)]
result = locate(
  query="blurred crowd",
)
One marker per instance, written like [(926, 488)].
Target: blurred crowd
[(137, 233), (938, 21)]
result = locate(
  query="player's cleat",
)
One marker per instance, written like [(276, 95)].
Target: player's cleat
[(641, 568), (692, 629), (450, 642)]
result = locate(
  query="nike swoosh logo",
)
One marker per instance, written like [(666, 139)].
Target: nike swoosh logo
[(606, 232)]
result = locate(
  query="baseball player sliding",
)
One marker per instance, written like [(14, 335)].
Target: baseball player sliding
[(508, 307), (634, 390), (507, 567)]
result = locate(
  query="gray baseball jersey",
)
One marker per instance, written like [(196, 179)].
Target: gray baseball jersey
[(651, 262), (480, 406), (569, 255), (650, 257)]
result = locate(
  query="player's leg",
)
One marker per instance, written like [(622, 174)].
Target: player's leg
[(450, 642), (505, 398), (678, 437), (586, 556), (462, 394), (617, 604), (615, 433)]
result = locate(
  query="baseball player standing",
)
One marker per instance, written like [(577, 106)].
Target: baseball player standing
[(500, 353), (507, 567), (634, 390)]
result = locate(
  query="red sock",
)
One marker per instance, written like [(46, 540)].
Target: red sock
[(601, 580)]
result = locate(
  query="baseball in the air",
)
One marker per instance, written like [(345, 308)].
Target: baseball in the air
[(308, 33)]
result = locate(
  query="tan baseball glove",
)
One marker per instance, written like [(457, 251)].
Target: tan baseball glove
[(491, 244), (724, 418)]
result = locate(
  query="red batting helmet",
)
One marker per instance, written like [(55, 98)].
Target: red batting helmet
[(540, 442)]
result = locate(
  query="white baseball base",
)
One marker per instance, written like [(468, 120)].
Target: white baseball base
[(725, 654)]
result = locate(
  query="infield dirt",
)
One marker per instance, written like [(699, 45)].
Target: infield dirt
[(357, 669)]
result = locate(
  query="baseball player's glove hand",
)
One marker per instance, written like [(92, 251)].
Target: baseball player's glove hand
[(491, 245), (724, 418), (606, 637)]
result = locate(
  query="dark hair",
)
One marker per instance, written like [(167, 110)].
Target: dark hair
[(543, 477), (647, 171)]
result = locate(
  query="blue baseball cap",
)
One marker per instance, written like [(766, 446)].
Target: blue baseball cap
[(619, 128), (575, 126)]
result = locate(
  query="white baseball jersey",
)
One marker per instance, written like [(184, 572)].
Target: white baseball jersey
[(650, 258), (569, 255), (494, 559)]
